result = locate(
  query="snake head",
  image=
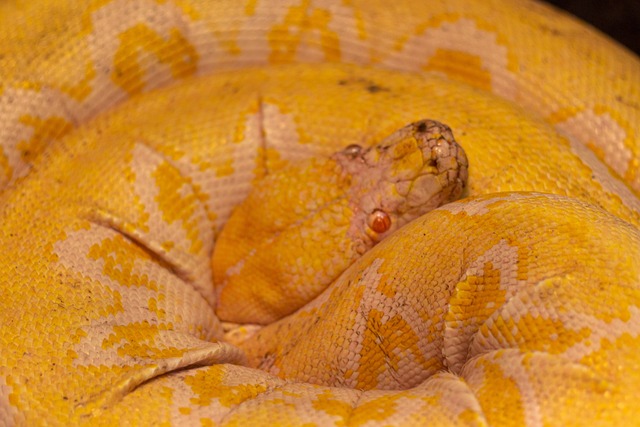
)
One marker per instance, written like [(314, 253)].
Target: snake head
[(409, 173), (301, 227)]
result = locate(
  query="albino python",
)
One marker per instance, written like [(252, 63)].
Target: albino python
[(131, 129)]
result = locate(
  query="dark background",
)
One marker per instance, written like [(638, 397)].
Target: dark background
[(620, 19)]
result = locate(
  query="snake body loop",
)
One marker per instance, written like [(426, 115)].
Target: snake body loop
[(130, 130)]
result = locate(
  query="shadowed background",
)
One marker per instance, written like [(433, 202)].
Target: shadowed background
[(620, 19)]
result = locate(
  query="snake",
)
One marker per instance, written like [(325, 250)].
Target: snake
[(133, 132)]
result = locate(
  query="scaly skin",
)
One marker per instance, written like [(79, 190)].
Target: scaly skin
[(327, 207), (505, 309)]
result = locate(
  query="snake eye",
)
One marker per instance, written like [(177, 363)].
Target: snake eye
[(379, 221), (352, 151)]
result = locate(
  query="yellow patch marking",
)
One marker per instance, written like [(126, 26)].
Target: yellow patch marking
[(286, 38), (495, 379), (170, 184), (119, 256), (136, 340), (378, 409), (175, 51), (209, 386), (44, 131), (250, 7), (461, 66), (472, 51), (386, 344), (328, 403), (84, 86)]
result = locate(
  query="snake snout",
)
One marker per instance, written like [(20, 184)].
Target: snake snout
[(445, 172), (429, 169)]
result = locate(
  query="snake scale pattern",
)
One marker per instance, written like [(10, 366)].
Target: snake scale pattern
[(130, 129)]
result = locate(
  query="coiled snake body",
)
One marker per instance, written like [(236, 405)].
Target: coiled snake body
[(131, 129)]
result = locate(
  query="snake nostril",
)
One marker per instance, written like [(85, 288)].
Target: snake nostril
[(421, 127), (379, 221)]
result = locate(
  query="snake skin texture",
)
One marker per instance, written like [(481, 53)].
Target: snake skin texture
[(336, 209), (130, 129)]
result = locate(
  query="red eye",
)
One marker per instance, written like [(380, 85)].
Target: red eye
[(379, 221)]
